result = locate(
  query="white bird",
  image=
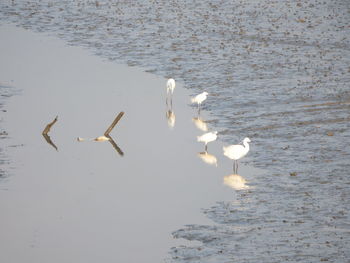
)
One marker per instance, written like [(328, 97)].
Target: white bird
[(236, 152), (207, 137), (200, 98), (170, 86), (101, 139), (97, 139)]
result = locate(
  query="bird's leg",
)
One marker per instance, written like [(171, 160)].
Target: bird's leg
[(206, 147), (236, 167)]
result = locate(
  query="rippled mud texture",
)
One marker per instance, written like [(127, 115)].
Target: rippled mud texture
[(277, 72), (5, 93)]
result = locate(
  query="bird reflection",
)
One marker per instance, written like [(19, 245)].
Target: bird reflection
[(170, 115), (208, 158), (49, 141), (200, 124), (103, 138), (235, 181)]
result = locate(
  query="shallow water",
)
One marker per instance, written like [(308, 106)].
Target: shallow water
[(280, 77), (88, 201)]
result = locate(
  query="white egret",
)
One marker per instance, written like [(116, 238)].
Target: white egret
[(236, 152), (97, 139), (208, 158), (101, 139), (170, 86), (207, 137), (200, 98)]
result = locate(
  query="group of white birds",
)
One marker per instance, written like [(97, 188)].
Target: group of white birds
[(234, 152)]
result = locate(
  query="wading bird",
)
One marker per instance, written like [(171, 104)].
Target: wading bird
[(170, 86), (97, 139), (199, 99), (236, 152), (207, 137)]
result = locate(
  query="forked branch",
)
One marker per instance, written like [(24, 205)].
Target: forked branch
[(116, 120)]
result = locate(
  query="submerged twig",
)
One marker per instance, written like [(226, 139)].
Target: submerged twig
[(48, 127), (110, 128)]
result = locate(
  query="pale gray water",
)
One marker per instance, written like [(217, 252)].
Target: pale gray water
[(278, 72), (72, 201)]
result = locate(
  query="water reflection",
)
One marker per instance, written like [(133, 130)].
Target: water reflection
[(235, 181), (170, 115), (200, 124), (115, 146), (49, 141), (104, 138), (208, 158)]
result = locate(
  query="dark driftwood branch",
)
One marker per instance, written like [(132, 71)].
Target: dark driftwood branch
[(110, 128), (48, 127)]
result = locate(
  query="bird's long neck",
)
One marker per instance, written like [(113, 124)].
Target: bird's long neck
[(246, 146)]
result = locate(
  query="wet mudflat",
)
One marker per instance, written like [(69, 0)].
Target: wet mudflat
[(278, 72)]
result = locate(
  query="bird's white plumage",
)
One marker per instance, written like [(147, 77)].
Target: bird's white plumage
[(170, 86), (236, 152), (200, 98), (208, 137)]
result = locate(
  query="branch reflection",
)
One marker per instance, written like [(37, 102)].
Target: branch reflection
[(49, 141), (115, 146)]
